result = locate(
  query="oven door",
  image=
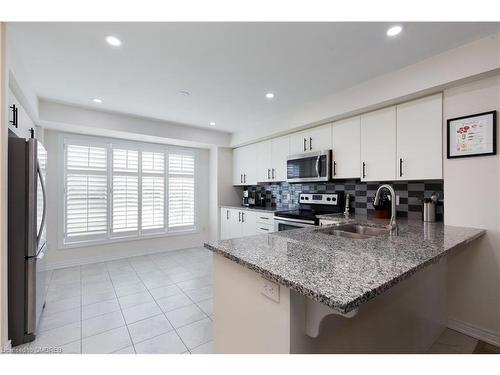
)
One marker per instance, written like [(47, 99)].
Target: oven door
[(281, 224), (310, 167)]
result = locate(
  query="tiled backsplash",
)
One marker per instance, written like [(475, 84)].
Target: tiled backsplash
[(362, 194)]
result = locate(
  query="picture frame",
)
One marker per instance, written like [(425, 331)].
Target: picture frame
[(472, 135)]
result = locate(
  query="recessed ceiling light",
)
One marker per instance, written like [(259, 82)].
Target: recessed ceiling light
[(97, 100), (212, 123), (184, 92), (113, 41), (394, 30), (269, 95)]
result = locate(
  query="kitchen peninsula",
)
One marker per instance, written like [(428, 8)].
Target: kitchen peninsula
[(314, 290)]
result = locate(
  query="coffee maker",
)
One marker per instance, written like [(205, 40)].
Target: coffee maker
[(248, 198)]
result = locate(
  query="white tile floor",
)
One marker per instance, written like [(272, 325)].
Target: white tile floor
[(159, 303)]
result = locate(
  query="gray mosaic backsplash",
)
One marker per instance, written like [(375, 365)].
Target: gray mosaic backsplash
[(362, 194)]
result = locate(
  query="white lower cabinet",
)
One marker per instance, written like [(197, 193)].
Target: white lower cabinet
[(241, 223)]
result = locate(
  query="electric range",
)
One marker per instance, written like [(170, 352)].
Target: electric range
[(310, 205)]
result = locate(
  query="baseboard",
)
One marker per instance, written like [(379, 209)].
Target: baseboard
[(108, 257), (478, 333)]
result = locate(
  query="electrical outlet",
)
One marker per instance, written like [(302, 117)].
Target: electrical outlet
[(271, 290), (397, 200)]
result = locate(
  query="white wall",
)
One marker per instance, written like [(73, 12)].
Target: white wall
[(57, 258), (3, 194), (472, 198), (75, 119), (425, 77)]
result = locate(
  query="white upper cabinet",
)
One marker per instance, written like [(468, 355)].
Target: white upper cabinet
[(19, 121), (419, 139), (280, 149), (378, 145), (346, 148), (263, 160), (244, 166), (315, 139), (271, 159)]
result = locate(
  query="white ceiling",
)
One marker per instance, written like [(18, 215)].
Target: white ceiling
[(227, 67)]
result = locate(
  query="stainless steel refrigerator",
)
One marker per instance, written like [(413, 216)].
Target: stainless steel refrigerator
[(27, 211)]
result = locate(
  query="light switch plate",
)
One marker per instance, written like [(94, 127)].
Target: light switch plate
[(271, 290)]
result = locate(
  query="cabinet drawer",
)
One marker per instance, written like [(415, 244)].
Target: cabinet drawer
[(265, 219), (264, 228)]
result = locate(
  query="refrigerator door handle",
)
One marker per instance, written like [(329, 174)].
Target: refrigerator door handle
[(44, 214)]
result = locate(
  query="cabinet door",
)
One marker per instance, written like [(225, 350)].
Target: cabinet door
[(320, 138), (263, 161), (419, 139), (235, 226), (299, 143), (378, 145), (225, 228), (238, 161), (280, 149), (248, 223), (249, 167), (346, 148), (24, 123)]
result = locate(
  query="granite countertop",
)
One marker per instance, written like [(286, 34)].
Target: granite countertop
[(340, 272), (266, 209)]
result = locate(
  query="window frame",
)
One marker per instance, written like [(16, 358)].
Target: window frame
[(140, 234)]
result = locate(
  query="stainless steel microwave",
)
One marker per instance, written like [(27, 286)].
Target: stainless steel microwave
[(309, 167)]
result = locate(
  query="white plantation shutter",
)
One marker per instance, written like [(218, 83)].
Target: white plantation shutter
[(181, 180), (153, 190), (85, 192), (125, 191)]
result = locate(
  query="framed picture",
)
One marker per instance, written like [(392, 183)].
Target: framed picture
[(473, 135)]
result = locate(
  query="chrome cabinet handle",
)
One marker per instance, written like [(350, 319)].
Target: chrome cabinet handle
[(268, 174), (14, 121), (310, 143), (239, 216), (400, 167), (364, 170), (305, 145), (244, 178), (334, 168), (273, 174), (242, 217), (227, 214)]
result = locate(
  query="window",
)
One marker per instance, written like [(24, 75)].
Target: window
[(180, 190), (125, 191), (151, 190), (86, 192)]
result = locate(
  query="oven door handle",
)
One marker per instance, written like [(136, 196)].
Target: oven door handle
[(296, 221)]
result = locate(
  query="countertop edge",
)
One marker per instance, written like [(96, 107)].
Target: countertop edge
[(361, 299), (268, 210)]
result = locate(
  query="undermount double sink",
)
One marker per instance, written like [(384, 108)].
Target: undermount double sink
[(355, 231)]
